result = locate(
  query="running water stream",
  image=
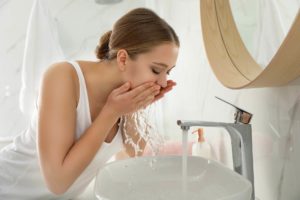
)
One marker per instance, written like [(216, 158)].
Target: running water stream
[(184, 163)]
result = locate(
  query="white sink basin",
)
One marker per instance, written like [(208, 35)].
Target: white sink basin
[(144, 179)]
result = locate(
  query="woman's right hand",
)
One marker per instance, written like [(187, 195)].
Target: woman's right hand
[(123, 101)]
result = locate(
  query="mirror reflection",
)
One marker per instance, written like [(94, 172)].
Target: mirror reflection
[(263, 25)]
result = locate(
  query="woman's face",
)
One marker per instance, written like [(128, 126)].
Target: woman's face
[(153, 66)]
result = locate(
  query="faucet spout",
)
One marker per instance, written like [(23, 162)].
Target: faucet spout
[(241, 143)]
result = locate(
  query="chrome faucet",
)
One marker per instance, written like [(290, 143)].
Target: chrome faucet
[(241, 141)]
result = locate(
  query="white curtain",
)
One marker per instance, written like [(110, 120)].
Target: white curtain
[(42, 48)]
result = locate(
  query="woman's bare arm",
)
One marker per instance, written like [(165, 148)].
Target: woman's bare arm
[(62, 159)]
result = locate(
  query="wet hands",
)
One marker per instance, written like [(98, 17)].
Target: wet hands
[(123, 101)]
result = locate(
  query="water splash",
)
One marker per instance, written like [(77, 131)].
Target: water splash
[(152, 163), (140, 124)]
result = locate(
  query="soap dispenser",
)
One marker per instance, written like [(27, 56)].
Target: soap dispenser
[(201, 147)]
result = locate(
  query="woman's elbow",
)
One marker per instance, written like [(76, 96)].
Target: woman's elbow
[(56, 188), (56, 183)]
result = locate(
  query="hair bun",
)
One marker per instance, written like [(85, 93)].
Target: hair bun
[(102, 48)]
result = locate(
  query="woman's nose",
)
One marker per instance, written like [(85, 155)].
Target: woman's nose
[(162, 81)]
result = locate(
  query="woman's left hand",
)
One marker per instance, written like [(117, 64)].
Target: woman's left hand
[(163, 91)]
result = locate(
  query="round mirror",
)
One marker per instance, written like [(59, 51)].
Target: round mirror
[(228, 54), (263, 25)]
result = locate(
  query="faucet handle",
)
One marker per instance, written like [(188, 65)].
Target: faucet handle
[(240, 115)]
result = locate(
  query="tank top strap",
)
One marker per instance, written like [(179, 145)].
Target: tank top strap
[(83, 102), (83, 109)]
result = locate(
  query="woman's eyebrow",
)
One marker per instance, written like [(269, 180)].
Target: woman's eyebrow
[(162, 64)]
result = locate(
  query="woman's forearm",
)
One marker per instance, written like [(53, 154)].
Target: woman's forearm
[(82, 152)]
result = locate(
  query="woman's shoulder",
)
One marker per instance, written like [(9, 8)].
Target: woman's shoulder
[(60, 79), (59, 69), (61, 73)]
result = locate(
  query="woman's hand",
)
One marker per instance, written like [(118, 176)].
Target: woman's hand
[(123, 101)]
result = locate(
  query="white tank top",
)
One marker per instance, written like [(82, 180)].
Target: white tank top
[(20, 174)]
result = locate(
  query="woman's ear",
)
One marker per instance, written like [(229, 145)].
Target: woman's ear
[(122, 59)]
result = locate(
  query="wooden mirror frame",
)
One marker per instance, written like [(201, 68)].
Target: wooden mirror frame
[(230, 60)]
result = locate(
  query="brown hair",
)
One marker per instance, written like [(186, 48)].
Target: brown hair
[(137, 32)]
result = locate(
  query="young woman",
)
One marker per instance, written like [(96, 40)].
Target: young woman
[(75, 128)]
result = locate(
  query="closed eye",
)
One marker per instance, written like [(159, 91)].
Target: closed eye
[(158, 72), (155, 72)]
